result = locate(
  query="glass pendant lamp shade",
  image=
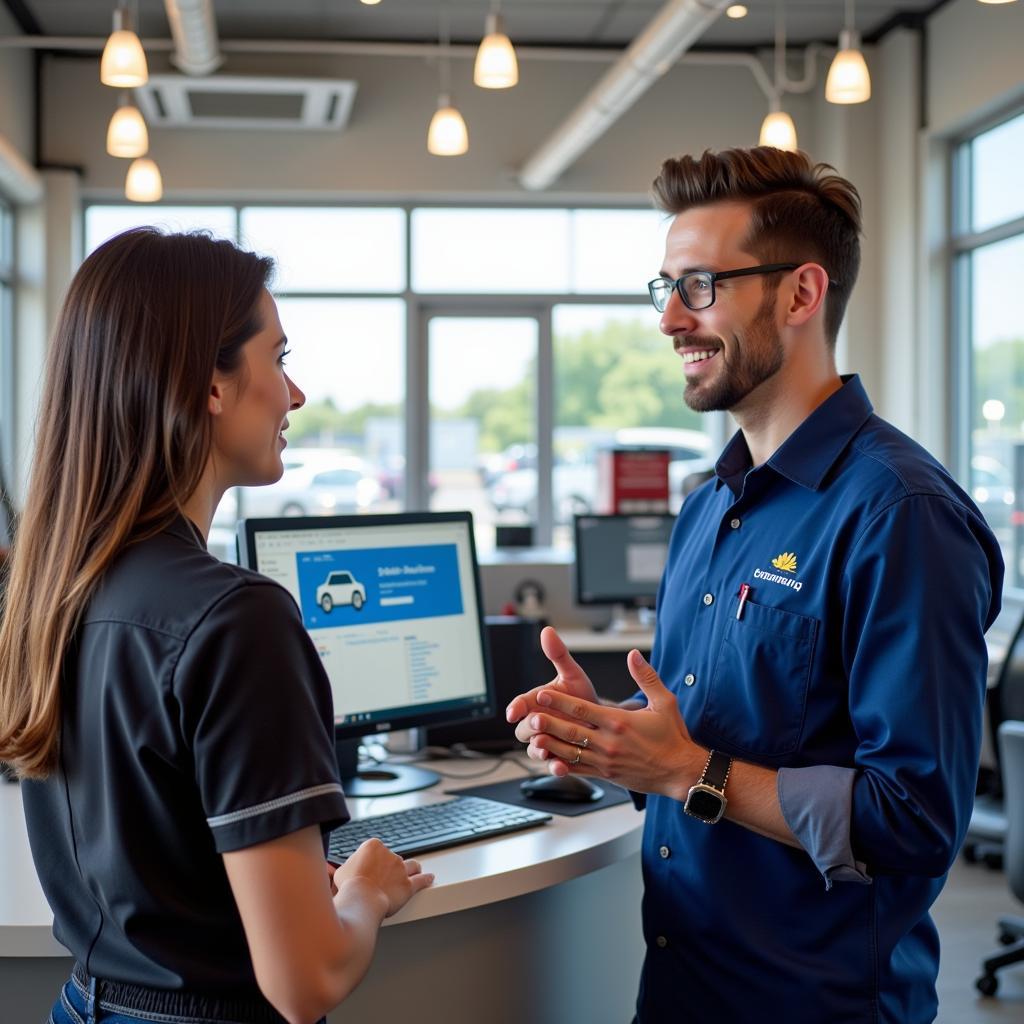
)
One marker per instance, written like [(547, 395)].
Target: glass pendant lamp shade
[(778, 130), (123, 64), (496, 66), (848, 79), (447, 135), (143, 184), (127, 135)]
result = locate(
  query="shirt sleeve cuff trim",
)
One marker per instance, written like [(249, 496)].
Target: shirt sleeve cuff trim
[(231, 818)]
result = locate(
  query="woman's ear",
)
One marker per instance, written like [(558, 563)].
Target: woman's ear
[(215, 401)]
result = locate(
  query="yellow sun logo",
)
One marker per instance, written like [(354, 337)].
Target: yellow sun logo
[(786, 562)]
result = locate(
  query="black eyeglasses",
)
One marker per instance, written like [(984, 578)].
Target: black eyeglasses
[(697, 289)]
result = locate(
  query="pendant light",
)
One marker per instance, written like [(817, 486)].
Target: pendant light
[(447, 135), (126, 134), (848, 79), (143, 184), (123, 64), (997, 1), (496, 66), (777, 129)]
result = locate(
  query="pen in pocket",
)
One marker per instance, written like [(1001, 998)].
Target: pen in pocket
[(744, 594)]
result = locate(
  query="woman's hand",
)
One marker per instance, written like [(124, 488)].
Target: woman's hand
[(398, 880)]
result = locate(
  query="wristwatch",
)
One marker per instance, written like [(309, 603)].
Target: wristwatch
[(706, 801)]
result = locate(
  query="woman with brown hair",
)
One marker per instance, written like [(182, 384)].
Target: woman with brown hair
[(167, 712)]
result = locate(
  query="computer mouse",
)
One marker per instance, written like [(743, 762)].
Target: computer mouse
[(568, 788)]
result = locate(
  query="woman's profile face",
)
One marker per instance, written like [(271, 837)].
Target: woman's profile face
[(252, 412)]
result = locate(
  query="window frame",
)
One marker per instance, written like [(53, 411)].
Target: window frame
[(963, 243), (421, 306)]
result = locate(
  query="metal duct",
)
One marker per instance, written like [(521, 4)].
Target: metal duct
[(196, 47), (675, 28)]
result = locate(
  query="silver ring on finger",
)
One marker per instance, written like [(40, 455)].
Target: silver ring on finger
[(579, 757), (583, 743)]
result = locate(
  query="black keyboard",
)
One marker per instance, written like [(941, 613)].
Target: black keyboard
[(433, 826)]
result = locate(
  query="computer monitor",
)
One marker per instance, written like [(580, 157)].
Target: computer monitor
[(392, 603), (619, 562)]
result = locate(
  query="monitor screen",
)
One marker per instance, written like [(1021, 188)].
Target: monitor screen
[(620, 559), (392, 603)]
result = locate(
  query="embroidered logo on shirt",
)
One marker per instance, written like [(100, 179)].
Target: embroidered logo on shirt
[(786, 562)]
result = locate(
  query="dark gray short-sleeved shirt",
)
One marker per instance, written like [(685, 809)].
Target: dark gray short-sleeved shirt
[(196, 720)]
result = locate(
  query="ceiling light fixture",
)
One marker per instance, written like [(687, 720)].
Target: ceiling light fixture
[(496, 66), (126, 134), (371, 3), (997, 1), (777, 129), (143, 183), (123, 64), (736, 11), (848, 79), (447, 135)]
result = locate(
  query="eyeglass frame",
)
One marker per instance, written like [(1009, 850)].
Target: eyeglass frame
[(712, 276)]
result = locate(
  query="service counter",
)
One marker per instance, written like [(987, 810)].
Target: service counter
[(535, 927)]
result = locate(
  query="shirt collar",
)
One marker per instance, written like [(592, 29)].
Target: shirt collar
[(184, 529), (806, 456)]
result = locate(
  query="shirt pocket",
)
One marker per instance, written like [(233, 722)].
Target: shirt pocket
[(758, 693)]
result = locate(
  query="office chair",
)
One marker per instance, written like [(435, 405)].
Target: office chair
[(1005, 701), (1011, 929)]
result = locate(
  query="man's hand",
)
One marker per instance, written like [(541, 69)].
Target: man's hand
[(648, 750), (570, 680)]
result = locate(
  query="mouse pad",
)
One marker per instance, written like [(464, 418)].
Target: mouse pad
[(510, 793)]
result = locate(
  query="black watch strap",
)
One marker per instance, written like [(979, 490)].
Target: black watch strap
[(716, 770)]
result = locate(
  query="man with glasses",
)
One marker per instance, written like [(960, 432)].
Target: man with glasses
[(806, 739)]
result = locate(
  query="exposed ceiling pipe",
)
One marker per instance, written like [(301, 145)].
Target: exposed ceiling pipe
[(196, 47), (675, 28)]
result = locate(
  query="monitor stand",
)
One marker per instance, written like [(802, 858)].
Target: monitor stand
[(630, 620), (383, 779)]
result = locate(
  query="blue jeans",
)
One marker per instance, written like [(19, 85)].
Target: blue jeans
[(83, 1000), (76, 1006)]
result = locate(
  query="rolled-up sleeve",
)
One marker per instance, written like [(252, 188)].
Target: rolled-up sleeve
[(919, 589)]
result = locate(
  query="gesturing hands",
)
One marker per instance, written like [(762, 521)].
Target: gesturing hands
[(648, 750)]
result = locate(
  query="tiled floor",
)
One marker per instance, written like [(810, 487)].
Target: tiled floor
[(966, 915)]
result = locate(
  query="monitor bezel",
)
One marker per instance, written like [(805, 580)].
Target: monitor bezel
[(627, 600), (246, 536)]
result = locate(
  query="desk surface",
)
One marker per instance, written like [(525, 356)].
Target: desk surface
[(467, 876), (588, 641)]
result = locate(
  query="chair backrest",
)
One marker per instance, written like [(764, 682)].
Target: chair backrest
[(1011, 742), (1005, 701)]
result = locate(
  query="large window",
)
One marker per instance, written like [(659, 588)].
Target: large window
[(457, 357), (989, 270)]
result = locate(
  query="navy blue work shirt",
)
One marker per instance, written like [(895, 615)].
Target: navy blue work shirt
[(858, 670)]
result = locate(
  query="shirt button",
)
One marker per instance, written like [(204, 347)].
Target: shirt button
[(735, 524), (709, 598), (664, 852), (689, 679), (661, 941)]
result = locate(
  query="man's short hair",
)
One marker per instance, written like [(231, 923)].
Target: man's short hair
[(800, 210)]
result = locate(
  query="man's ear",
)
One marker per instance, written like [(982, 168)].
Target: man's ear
[(809, 293)]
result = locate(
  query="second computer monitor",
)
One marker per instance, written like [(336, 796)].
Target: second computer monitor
[(620, 559)]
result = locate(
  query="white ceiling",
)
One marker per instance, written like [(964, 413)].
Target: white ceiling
[(543, 22)]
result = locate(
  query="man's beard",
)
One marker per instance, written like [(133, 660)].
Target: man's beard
[(757, 358)]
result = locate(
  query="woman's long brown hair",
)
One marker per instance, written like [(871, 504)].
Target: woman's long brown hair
[(122, 438)]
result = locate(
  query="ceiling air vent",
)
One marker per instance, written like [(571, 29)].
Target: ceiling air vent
[(312, 104)]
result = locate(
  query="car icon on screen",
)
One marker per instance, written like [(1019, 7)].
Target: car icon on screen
[(340, 587)]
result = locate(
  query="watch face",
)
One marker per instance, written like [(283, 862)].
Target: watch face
[(704, 805)]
